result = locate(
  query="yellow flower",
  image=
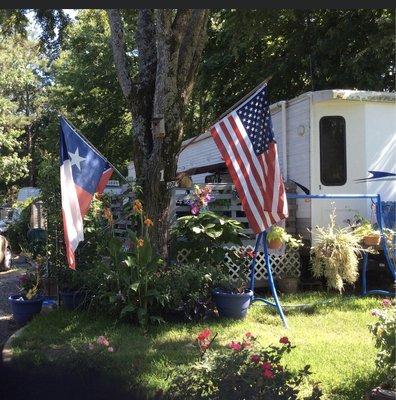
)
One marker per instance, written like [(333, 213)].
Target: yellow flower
[(140, 243), (107, 214), (137, 207), (148, 222)]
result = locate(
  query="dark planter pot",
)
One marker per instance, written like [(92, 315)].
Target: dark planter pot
[(24, 311), (289, 285), (73, 300), (381, 394), (231, 305)]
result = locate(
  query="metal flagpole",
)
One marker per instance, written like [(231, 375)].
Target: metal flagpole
[(86, 140), (262, 239)]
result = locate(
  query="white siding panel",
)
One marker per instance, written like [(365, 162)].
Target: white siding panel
[(200, 153)]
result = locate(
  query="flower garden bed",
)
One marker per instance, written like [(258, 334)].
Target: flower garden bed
[(334, 340)]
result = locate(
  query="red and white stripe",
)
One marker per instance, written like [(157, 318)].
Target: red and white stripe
[(75, 204), (257, 179)]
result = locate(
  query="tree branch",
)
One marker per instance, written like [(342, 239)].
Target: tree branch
[(191, 50), (119, 52)]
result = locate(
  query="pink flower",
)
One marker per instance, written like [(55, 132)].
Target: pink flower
[(91, 346), (110, 349), (102, 341), (203, 335), (386, 303), (375, 313), (284, 340), (267, 373), (236, 346), (248, 334), (255, 358), (251, 253), (266, 365), (195, 209)]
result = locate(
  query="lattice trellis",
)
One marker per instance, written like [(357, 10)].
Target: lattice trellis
[(281, 263)]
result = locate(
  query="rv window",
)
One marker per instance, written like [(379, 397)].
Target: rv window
[(332, 151)]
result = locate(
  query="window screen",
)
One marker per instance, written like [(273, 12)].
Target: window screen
[(332, 151)]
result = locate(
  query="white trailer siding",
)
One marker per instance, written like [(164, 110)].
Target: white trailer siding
[(380, 121)]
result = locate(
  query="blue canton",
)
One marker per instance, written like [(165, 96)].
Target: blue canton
[(256, 119)]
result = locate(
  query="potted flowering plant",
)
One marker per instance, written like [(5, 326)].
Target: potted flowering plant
[(29, 301), (277, 236), (232, 296)]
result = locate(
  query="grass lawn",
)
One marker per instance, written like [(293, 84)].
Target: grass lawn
[(333, 339)]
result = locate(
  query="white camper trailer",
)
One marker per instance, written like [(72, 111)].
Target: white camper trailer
[(327, 141)]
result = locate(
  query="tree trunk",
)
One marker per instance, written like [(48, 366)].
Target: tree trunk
[(169, 44)]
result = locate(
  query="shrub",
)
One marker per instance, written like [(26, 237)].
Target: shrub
[(187, 289), (244, 370), (385, 341), (205, 236)]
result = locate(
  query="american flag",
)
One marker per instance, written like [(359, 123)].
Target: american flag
[(245, 139)]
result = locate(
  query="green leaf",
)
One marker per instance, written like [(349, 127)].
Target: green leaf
[(214, 233), (135, 286), (197, 229), (130, 308)]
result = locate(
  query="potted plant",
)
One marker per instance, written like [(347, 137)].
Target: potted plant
[(277, 236), (233, 297), (335, 253), (368, 234), (289, 281), (29, 301)]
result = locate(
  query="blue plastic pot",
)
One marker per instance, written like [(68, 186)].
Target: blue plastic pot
[(231, 305), (73, 300), (24, 311)]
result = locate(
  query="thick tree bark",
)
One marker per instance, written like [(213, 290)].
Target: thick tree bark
[(170, 45)]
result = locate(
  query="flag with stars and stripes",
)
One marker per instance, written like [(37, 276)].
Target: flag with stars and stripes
[(245, 139), (83, 172)]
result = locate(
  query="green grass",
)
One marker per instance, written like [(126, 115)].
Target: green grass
[(333, 338)]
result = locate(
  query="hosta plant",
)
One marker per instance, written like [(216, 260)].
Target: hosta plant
[(334, 255)]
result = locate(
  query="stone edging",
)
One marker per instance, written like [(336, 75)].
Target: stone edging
[(7, 348)]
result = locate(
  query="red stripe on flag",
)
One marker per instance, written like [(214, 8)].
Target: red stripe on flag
[(244, 171), (235, 179), (84, 199), (103, 180)]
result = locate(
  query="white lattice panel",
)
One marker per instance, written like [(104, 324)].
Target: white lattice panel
[(289, 261)]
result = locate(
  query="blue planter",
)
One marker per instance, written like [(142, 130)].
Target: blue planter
[(232, 305), (23, 311), (73, 300)]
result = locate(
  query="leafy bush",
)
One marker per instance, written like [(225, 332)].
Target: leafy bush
[(385, 341), (205, 235), (335, 255), (245, 370), (127, 277), (187, 289)]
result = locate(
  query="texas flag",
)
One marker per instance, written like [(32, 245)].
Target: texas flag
[(83, 172)]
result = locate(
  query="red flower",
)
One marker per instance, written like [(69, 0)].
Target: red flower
[(266, 365), (267, 373), (284, 340), (251, 253), (203, 335), (236, 346), (255, 358)]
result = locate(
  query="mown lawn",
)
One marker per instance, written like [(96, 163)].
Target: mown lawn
[(333, 338)]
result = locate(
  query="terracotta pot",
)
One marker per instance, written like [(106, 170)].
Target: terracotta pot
[(372, 240), (275, 244)]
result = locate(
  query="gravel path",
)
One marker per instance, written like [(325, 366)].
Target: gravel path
[(8, 285)]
